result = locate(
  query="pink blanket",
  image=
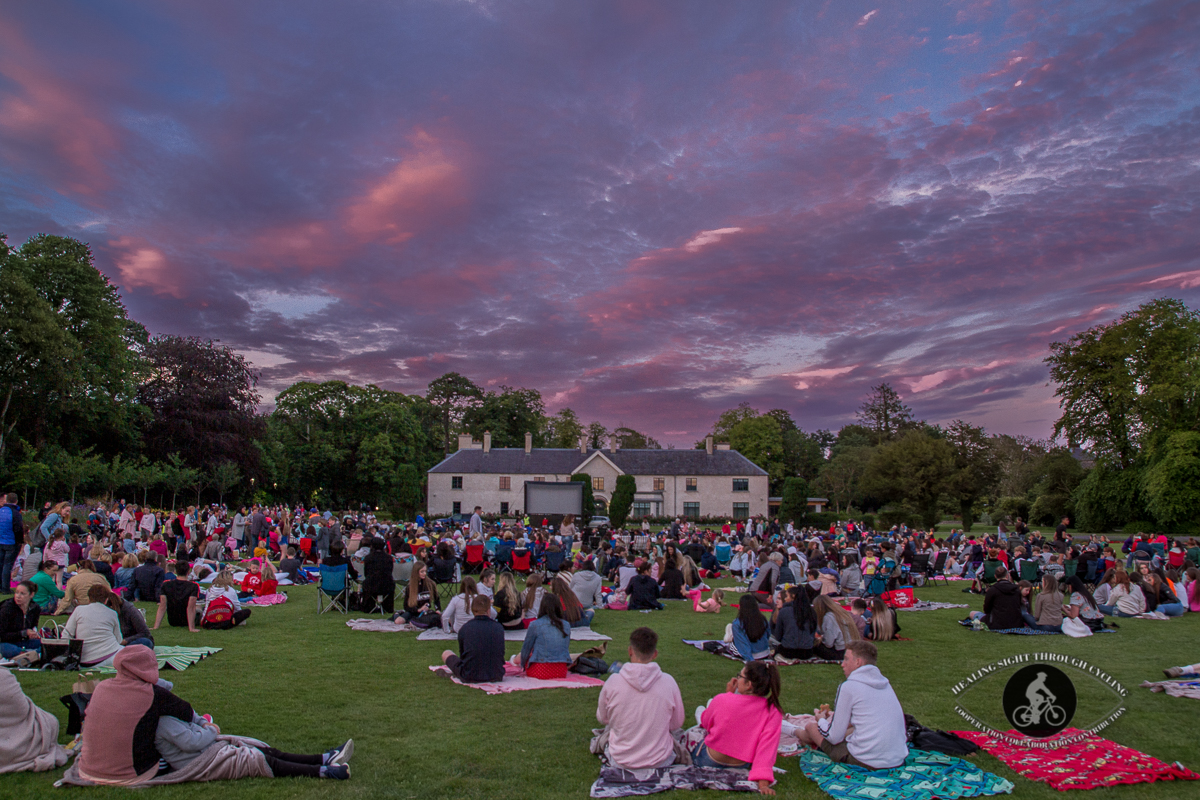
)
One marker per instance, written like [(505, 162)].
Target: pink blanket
[(268, 599), (516, 681)]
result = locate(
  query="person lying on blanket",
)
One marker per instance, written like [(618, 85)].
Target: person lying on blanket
[(480, 646), (120, 730), (743, 725), (866, 726), (1189, 671), (639, 706)]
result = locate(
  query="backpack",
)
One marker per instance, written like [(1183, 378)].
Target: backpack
[(218, 611)]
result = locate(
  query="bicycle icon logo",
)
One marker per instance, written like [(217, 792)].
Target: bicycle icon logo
[(1039, 700)]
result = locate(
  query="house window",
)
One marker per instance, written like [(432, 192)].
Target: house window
[(691, 484), (640, 509), (741, 511), (504, 509), (739, 484), (691, 510), (506, 483), (456, 481), (540, 479), (457, 509), (660, 484), (597, 484)]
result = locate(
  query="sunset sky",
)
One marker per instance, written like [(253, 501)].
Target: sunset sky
[(650, 211)]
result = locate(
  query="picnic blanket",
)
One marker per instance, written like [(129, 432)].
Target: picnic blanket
[(1177, 688), (177, 658), (515, 680), (923, 776), (269, 599), (577, 635), (966, 623), (617, 782), (1087, 764), (930, 605), (729, 651), (380, 626), (227, 759)]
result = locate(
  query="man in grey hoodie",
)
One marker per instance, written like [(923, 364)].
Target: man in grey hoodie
[(866, 726), (586, 584)]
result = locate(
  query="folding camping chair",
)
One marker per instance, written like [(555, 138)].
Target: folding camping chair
[(554, 561), (334, 589), (989, 570), (1029, 571), (938, 570), (504, 551), (881, 577), (919, 570), (473, 560), (520, 561), (1070, 567)]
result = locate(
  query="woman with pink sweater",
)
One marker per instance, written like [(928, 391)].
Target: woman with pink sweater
[(743, 725)]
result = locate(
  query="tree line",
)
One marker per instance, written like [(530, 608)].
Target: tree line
[(91, 403)]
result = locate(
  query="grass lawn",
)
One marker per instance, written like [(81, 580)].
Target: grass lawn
[(304, 683)]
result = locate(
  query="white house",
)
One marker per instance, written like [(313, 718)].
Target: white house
[(714, 482)]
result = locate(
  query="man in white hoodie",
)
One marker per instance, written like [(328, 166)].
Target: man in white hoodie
[(866, 727), (640, 705)]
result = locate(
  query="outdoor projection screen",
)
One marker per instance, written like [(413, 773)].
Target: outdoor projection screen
[(554, 498)]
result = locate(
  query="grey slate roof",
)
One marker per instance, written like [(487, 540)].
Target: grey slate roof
[(554, 461)]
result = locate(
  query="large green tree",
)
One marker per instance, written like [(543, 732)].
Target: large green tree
[(452, 395), (508, 414), (913, 468), (622, 500), (563, 430), (976, 469), (884, 413), (68, 350), (760, 440)]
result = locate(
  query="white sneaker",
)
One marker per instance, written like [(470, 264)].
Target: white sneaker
[(699, 711), (342, 756)]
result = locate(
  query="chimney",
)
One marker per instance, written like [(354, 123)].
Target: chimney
[(722, 446), (612, 443), (583, 443), (487, 441), (528, 443), (708, 445), (464, 441)]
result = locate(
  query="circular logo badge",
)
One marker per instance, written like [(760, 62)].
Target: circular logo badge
[(1039, 700)]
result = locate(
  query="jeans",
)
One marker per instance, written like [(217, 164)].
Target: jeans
[(141, 640), (8, 560), (1171, 609), (1032, 622), (590, 613), (1112, 611), (701, 758), (8, 650)]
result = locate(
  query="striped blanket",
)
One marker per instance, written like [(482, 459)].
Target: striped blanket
[(177, 658)]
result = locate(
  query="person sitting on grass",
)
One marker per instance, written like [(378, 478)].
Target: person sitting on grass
[(531, 598), (124, 574), (1047, 614), (588, 586), (573, 612), (120, 738), (222, 608), (1159, 596), (47, 593), (1002, 603), (743, 725), (643, 590), (883, 625), (289, 566), (794, 624), (99, 628), (835, 627), (750, 632), (421, 601), (480, 646), (19, 617), (639, 706), (507, 602), (670, 579), (767, 579), (712, 605), (75, 593), (458, 611), (1125, 599), (252, 582), (546, 653), (132, 621), (866, 727), (858, 612), (178, 599), (377, 578)]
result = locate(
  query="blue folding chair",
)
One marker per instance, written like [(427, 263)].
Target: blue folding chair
[(334, 589)]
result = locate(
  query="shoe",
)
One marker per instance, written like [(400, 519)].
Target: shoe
[(341, 755), (1173, 672), (339, 772)]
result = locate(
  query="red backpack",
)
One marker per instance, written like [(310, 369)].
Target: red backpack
[(219, 610)]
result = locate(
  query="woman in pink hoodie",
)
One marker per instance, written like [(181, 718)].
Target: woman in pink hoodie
[(743, 725)]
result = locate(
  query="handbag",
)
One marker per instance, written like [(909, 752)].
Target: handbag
[(430, 619), (1075, 628)]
